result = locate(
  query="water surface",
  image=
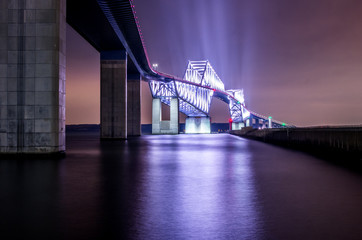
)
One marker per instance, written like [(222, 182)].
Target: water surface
[(178, 187)]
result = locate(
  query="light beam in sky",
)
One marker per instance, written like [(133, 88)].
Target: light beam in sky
[(299, 61)]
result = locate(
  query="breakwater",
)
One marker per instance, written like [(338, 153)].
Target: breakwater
[(320, 140)]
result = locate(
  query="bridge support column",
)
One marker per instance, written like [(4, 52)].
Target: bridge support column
[(174, 122), (198, 125), (165, 127), (237, 125), (114, 94), (134, 105), (156, 116), (248, 122), (32, 76), (270, 122)]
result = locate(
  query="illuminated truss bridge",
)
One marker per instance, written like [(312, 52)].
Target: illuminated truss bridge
[(196, 90), (194, 93)]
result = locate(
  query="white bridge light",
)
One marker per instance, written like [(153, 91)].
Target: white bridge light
[(155, 66)]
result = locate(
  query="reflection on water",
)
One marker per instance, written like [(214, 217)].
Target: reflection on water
[(198, 187), (178, 187)]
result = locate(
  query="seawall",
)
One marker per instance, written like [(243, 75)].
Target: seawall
[(331, 141)]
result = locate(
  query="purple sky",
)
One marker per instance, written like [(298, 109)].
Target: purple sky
[(298, 61)]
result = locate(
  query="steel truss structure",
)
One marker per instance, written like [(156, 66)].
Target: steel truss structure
[(195, 92), (238, 112)]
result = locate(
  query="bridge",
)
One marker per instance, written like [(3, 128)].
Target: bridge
[(32, 75), (193, 97)]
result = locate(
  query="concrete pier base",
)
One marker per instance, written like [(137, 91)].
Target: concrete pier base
[(114, 95), (248, 122), (237, 126), (32, 76), (198, 125), (270, 125), (134, 105), (164, 127)]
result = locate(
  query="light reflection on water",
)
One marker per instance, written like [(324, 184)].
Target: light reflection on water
[(206, 190), (178, 187)]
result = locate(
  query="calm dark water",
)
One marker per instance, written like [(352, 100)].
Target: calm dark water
[(178, 187)]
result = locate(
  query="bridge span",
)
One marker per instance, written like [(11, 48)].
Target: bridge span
[(32, 76)]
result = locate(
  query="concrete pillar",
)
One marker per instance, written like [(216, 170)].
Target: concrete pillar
[(256, 125), (156, 116), (248, 122), (134, 105), (114, 94), (32, 76), (270, 122), (174, 122), (198, 125), (237, 125), (165, 127)]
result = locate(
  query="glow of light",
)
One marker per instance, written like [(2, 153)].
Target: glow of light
[(283, 124), (270, 117), (230, 120), (155, 65)]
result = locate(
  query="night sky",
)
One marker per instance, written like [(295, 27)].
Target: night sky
[(298, 61)]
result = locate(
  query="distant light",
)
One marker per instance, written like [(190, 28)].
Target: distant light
[(155, 65), (230, 120), (214, 90), (283, 124), (238, 102), (270, 117)]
